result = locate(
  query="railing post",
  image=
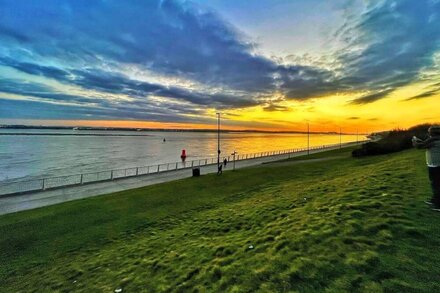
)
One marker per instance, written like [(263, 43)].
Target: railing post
[(192, 164), (148, 169), (177, 164), (158, 166), (43, 187), (81, 179), (111, 175), (137, 171), (206, 161)]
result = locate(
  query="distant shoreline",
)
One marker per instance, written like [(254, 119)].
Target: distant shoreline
[(79, 128), (71, 134)]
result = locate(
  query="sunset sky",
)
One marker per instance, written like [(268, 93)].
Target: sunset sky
[(274, 65)]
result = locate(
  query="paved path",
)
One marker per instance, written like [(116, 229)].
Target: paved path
[(10, 204)]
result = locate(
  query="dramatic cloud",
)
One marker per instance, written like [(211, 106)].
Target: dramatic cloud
[(170, 59), (273, 107), (389, 45), (386, 47), (79, 106), (426, 94), (369, 98), (167, 37)]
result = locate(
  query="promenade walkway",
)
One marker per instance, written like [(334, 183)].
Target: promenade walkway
[(10, 204)]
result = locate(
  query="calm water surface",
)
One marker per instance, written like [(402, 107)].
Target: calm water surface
[(29, 156)]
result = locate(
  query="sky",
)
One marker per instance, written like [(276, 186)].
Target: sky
[(358, 65)]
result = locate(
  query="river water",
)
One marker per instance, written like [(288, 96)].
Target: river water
[(58, 152)]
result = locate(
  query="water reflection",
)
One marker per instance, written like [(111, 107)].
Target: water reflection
[(37, 156)]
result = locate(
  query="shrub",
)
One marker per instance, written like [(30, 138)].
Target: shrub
[(393, 141)]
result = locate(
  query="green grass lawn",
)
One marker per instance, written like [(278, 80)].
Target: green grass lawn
[(339, 225)]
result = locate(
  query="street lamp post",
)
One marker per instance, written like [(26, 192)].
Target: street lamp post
[(308, 138), (340, 137), (218, 142), (233, 154)]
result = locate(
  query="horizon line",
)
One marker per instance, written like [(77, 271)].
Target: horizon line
[(103, 128)]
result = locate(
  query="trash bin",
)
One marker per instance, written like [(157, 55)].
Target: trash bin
[(196, 172)]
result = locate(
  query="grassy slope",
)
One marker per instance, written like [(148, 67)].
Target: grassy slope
[(362, 227)]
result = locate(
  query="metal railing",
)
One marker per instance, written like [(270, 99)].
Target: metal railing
[(33, 185)]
